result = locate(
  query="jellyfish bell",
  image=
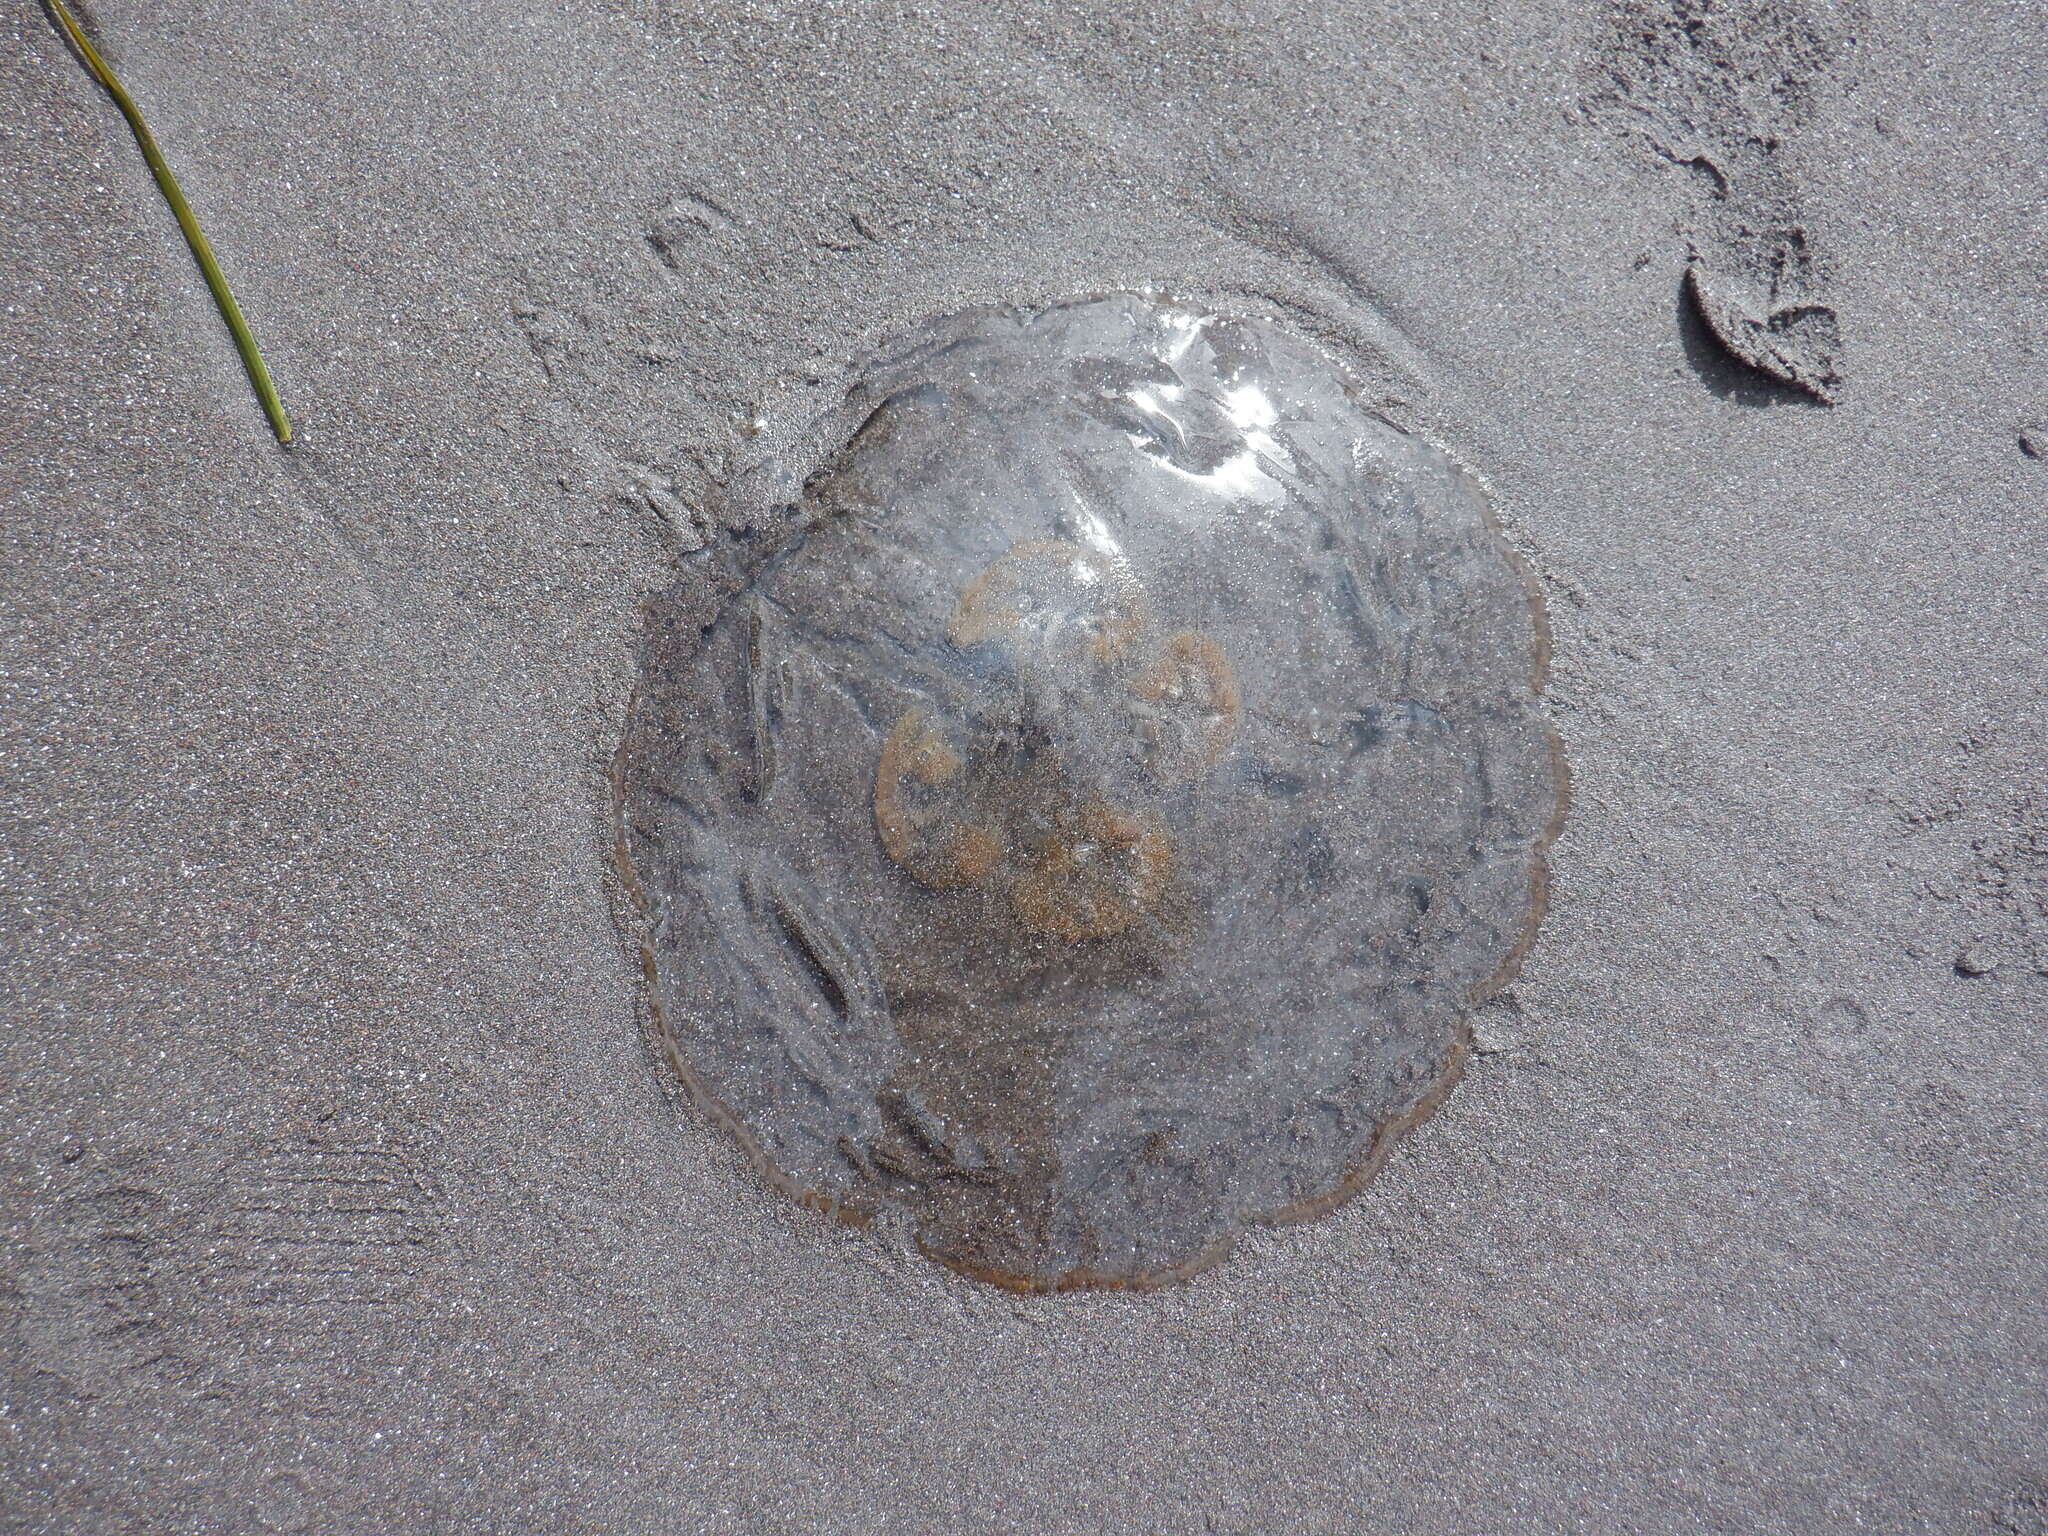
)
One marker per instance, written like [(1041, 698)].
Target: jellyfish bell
[(1083, 822)]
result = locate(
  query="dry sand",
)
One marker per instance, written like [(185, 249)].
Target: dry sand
[(340, 1190)]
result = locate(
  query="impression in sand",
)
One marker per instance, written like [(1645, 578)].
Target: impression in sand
[(1080, 809)]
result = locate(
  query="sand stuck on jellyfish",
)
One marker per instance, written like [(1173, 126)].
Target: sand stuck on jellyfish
[(1082, 813)]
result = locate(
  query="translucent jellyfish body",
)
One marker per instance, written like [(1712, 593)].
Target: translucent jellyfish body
[(1081, 811)]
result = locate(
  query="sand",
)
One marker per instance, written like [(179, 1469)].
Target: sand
[(341, 1190)]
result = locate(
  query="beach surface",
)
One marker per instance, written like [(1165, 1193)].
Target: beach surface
[(340, 1187)]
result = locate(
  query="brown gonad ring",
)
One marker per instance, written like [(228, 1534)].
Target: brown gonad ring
[(1078, 817)]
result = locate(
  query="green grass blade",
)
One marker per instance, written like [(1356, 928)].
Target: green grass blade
[(245, 341)]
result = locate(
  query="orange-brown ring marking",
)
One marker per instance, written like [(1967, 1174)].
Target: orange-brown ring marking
[(984, 610), (917, 751), (1065, 896), (1194, 669)]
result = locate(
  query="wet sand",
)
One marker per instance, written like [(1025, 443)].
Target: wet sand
[(341, 1188)]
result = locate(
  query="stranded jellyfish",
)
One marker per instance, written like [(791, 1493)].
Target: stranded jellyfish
[(1078, 807)]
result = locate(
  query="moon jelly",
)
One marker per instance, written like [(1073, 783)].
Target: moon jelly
[(1078, 807)]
